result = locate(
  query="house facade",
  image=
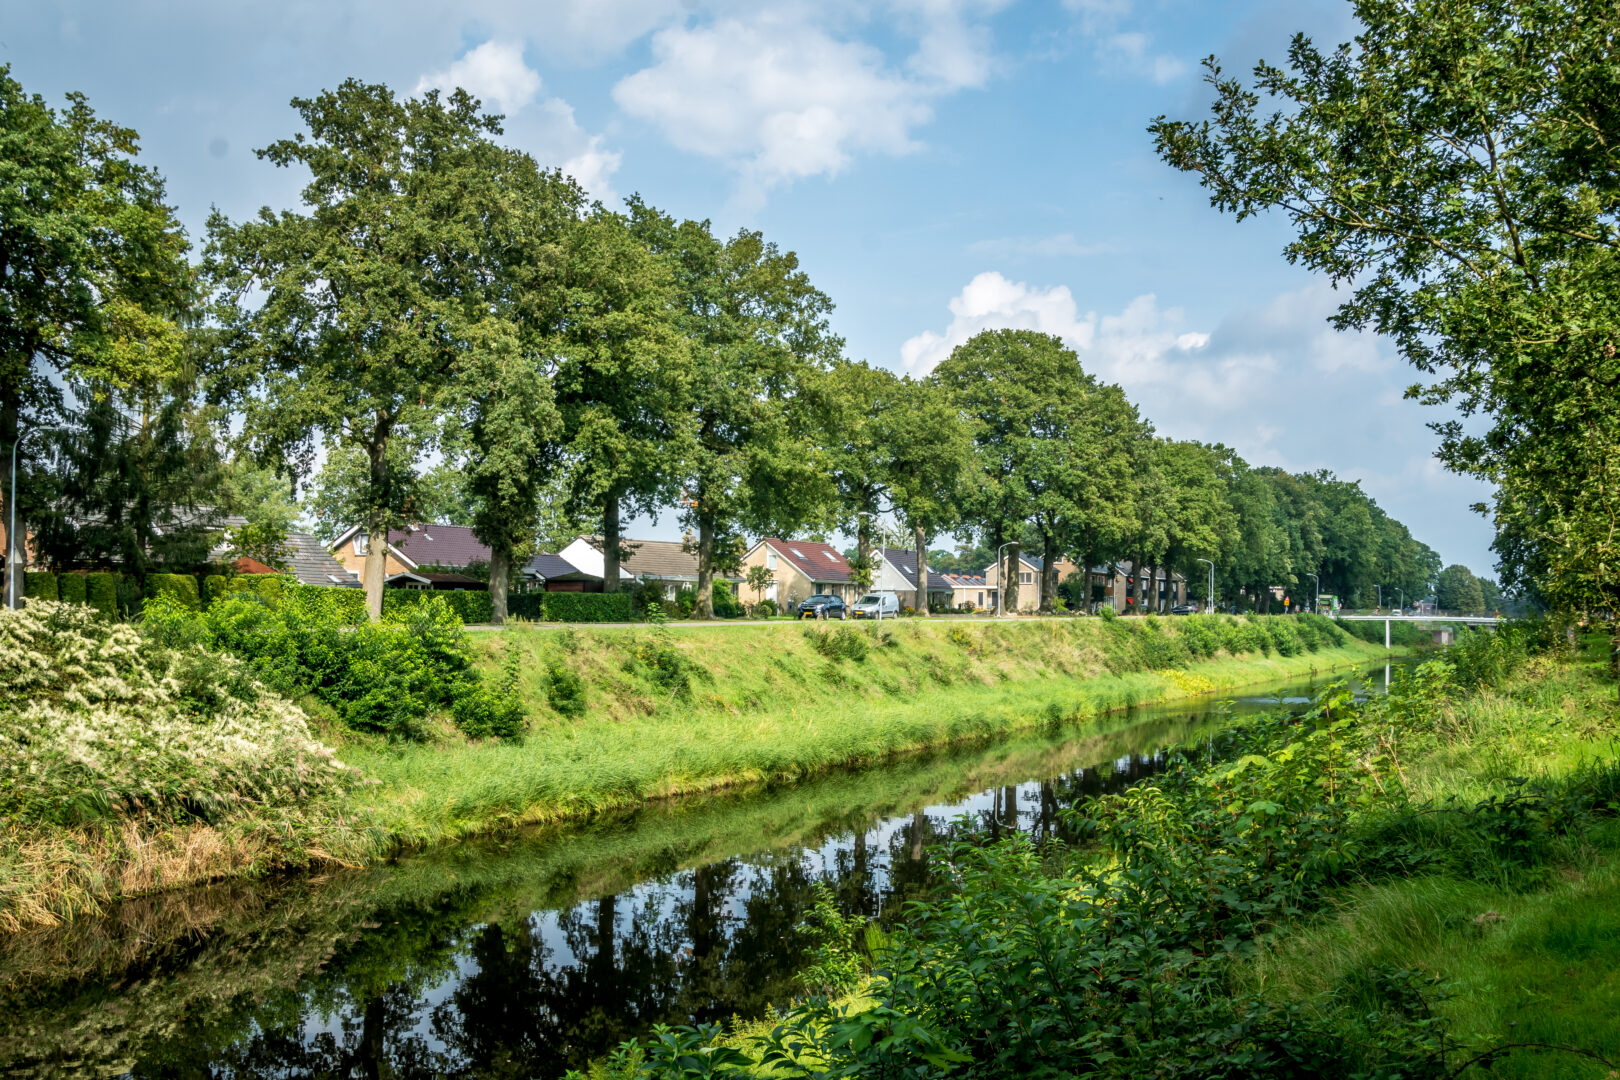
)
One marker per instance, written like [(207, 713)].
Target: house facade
[(410, 549), (1115, 587), (970, 590), (799, 569), (666, 563), (1029, 584)]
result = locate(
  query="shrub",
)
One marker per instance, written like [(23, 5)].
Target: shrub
[(96, 723), (765, 609), (565, 691), (70, 588), (529, 605), (101, 590), (325, 604), (726, 604), (685, 602), (1108, 613), (39, 585), (473, 605), (1244, 635), (587, 607), (182, 587), (1201, 633), (1283, 636), (270, 588), (215, 586), (495, 711), (842, 643)]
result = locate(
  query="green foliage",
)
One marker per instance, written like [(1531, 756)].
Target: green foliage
[(215, 586), (324, 604), (495, 711), (836, 965), (471, 605), (101, 589), (587, 607), (262, 541), (726, 604), (98, 725), (565, 691), (182, 588), (1457, 590), (39, 585), (70, 588), (839, 643), (386, 677), (271, 589)]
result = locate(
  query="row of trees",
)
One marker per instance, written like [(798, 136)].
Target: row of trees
[(440, 295)]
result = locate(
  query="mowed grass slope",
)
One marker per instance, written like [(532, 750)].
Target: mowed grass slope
[(623, 716)]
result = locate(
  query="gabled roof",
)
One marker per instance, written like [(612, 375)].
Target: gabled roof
[(816, 561), (1031, 561), (968, 581), (905, 561), (443, 545), (308, 560), (549, 567)]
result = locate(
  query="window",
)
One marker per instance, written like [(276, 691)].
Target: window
[(831, 557), (770, 560), (797, 554), (360, 545), (1026, 578)]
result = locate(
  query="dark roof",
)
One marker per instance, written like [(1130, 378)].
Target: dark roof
[(549, 567), (1032, 561), (308, 560), (816, 561), (438, 578), (441, 545), (968, 580), (905, 561)]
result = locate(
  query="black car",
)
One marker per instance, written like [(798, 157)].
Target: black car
[(811, 607), (1184, 609)]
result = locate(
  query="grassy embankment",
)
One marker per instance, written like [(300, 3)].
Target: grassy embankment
[(671, 714), (622, 717), (1527, 946)]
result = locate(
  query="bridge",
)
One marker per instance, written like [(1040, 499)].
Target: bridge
[(1469, 620)]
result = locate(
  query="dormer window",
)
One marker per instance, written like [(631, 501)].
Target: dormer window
[(360, 545)]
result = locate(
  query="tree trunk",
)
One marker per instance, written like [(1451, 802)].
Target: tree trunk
[(500, 576), (922, 569), (610, 542), (863, 548), (705, 581), (376, 568), (1009, 578), (15, 523), (1049, 582)]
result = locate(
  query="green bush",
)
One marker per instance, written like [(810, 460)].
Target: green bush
[(70, 588), (39, 585), (529, 605), (182, 587), (215, 586), (1240, 636), (386, 677), (1284, 638), (101, 590), (565, 691), (841, 643), (726, 604), (473, 605), (270, 588), (1202, 634), (325, 603), (587, 607)]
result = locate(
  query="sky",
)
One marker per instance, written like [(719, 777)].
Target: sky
[(940, 167)]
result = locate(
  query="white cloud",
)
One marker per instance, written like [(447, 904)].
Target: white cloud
[(1059, 245), (1120, 49), (494, 73), (780, 97)]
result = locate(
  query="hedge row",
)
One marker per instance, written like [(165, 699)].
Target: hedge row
[(569, 606), (473, 605)]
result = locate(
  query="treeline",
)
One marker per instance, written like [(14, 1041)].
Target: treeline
[(438, 294)]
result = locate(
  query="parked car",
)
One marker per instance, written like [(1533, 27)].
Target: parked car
[(811, 607), (877, 605), (1184, 609)]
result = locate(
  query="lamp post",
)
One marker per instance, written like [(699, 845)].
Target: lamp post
[(1001, 580), (1316, 594), (1402, 593), (1210, 598)]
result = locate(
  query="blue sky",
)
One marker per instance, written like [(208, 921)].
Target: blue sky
[(940, 166)]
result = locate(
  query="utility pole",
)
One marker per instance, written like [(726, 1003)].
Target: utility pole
[(1210, 597)]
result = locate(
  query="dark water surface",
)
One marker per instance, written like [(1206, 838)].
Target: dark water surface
[(529, 956)]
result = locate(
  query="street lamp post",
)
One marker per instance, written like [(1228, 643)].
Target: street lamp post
[(1001, 580), (1316, 594), (1210, 598), (1402, 593)]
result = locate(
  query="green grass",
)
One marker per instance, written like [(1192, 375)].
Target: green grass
[(755, 705), (1521, 960)]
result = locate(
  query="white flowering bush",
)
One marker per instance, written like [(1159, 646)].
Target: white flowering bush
[(97, 723)]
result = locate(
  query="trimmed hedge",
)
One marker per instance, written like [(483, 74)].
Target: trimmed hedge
[(215, 586), (267, 587), (570, 606), (101, 590), (39, 585), (473, 605), (183, 587), (325, 603), (70, 588)]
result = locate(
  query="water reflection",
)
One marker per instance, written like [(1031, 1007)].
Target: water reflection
[(527, 957)]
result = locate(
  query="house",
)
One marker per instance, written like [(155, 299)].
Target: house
[(663, 562), (1029, 583), (970, 590), (800, 568), (430, 580), (1115, 586), (307, 559), (411, 548), (897, 573), (553, 573)]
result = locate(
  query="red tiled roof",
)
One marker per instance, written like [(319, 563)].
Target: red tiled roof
[(442, 545), (818, 562)]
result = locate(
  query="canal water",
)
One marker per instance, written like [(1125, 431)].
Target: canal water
[(532, 955)]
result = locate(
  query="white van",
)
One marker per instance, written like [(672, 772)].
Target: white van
[(877, 605)]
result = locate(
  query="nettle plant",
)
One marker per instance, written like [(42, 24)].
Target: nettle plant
[(98, 723)]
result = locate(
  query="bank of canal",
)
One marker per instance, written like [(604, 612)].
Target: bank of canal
[(531, 955)]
